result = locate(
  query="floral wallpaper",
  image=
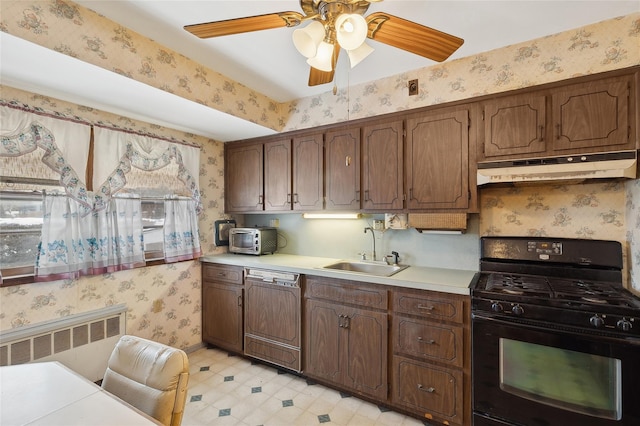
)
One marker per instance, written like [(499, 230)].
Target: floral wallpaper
[(603, 46), (164, 301)]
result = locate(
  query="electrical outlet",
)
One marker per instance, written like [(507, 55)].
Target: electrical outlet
[(413, 87), (378, 225)]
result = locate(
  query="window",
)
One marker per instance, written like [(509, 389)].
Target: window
[(20, 226), (153, 228)]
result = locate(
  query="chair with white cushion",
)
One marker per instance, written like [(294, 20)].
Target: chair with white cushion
[(150, 376)]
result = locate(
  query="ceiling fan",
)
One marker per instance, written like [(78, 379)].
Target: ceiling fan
[(337, 24)]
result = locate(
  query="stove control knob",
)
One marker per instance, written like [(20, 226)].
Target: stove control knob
[(624, 325), (596, 321), (496, 307), (517, 310)]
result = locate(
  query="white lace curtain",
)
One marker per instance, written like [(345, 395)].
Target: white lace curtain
[(73, 244), (181, 240), (95, 232)]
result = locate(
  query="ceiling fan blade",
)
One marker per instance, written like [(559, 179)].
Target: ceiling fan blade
[(317, 77), (412, 37), (245, 25)]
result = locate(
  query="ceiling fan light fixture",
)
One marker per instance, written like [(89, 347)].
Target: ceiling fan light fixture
[(351, 30), (323, 59), (307, 39), (357, 55)]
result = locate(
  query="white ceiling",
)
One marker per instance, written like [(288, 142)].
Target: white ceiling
[(267, 61)]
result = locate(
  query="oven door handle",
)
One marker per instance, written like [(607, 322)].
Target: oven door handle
[(536, 326)]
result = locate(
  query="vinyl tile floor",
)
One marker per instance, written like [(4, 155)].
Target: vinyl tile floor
[(226, 389)]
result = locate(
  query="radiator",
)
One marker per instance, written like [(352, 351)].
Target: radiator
[(82, 342)]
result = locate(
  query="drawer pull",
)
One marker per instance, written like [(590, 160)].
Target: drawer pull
[(426, 308), (429, 342), (222, 274), (430, 389)]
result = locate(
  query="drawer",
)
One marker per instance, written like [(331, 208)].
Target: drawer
[(430, 392), (431, 305), (273, 352), (222, 273), (347, 292), (428, 341)]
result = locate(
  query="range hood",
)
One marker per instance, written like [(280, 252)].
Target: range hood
[(620, 164)]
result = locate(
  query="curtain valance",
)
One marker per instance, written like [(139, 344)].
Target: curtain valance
[(118, 152), (70, 138)]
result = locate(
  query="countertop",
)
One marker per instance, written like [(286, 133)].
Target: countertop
[(417, 277)]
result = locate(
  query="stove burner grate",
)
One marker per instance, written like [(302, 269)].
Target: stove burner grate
[(555, 290)]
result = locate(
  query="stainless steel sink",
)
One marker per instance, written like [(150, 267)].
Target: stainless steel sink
[(368, 268)]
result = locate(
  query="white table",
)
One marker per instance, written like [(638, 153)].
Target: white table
[(51, 394)]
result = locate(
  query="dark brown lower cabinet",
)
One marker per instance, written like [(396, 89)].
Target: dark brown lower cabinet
[(222, 302), (346, 345), (434, 391), (430, 365)]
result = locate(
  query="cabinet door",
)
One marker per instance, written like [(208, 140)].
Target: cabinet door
[(243, 181), (382, 167), (308, 173), (222, 315), (342, 181), (514, 125), (277, 175), (437, 160), (593, 115), (323, 341), (366, 351)]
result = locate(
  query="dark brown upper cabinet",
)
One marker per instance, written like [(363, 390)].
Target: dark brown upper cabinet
[(593, 116), (383, 166), (515, 125), (437, 160), (308, 172), (596, 115), (277, 175), (244, 191), (342, 175)]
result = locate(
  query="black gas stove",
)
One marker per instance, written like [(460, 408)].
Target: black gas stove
[(564, 282)]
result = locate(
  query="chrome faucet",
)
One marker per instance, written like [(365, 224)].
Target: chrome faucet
[(373, 235)]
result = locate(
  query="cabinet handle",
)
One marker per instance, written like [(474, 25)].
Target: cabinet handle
[(295, 198), (347, 321), (347, 160), (558, 130), (366, 195), (430, 389), (340, 317), (288, 198), (239, 300), (260, 199), (541, 133), (222, 274), (429, 342), (426, 308)]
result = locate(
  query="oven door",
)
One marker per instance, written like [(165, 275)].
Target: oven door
[(534, 376)]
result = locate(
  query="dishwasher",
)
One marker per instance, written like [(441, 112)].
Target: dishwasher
[(272, 317)]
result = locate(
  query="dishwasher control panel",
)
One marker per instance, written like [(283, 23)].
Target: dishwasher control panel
[(287, 279)]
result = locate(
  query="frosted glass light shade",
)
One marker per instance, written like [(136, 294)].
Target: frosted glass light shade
[(358, 54), (323, 59), (351, 30), (306, 39)]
